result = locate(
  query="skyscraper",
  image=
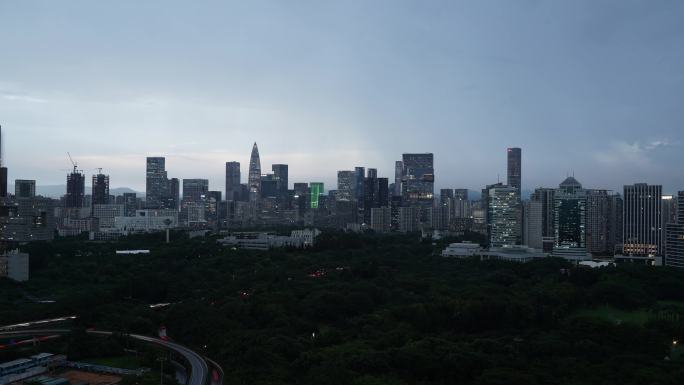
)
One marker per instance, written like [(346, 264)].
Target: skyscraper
[(75, 189), (156, 183), (24, 188), (598, 222), (195, 190), (359, 176), (532, 224), (514, 168), (570, 205), (254, 180), (504, 216), (485, 206), (280, 174), (346, 183), (130, 201), (383, 192), (674, 255), (642, 220), (100, 189), (445, 195), (232, 181), (3, 181), (315, 191), (171, 199), (418, 180), (370, 194), (461, 193), (398, 174)]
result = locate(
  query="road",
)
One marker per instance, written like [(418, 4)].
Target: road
[(199, 370)]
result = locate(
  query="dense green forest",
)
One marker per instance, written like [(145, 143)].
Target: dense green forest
[(368, 310)]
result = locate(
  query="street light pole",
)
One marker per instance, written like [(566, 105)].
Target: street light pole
[(161, 374)]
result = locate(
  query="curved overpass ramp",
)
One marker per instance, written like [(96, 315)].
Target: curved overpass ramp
[(199, 370)]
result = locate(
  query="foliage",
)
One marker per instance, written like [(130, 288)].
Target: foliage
[(365, 309)]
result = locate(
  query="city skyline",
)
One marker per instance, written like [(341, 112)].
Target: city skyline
[(585, 86), (327, 180)]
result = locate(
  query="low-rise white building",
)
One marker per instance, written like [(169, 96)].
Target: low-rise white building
[(462, 250), (265, 241), (515, 253)]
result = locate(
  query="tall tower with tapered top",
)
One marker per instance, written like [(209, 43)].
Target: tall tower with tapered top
[(254, 180)]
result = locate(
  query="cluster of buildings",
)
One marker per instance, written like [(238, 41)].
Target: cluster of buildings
[(638, 222)]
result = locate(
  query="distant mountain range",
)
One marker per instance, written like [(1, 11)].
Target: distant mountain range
[(57, 191)]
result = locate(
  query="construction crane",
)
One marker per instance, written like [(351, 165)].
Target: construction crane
[(99, 170), (73, 163)]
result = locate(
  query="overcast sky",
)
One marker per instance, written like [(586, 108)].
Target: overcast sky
[(592, 87)]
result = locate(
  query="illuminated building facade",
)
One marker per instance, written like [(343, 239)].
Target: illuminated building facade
[(642, 220)]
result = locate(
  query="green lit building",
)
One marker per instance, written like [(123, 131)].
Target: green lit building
[(315, 191)]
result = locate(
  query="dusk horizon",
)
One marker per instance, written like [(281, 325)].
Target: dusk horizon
[(585, 87)]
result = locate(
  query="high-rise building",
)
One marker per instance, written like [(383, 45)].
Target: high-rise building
[(301, 201), (669, 215), (570, 204), (398, 174), (3, 181), (381, 219), (232, 181), (372, 173), (195, 190), (315, 191), (270, 187), (359, 193), (532, 224), (130, 203), (514, 167), (383, 192), (254, 179), (100, 189), (615, 223), (359, 177), (461, 193), (485, 206), (156, 182), (418, 180), (674, 255), (370, 194), (346, 183), (75, 189), (445, 195), (642, 220), (280, 174), (546, 196), (408, 219), (598, 222), (24, 188), (171, 199), (504, 216)]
